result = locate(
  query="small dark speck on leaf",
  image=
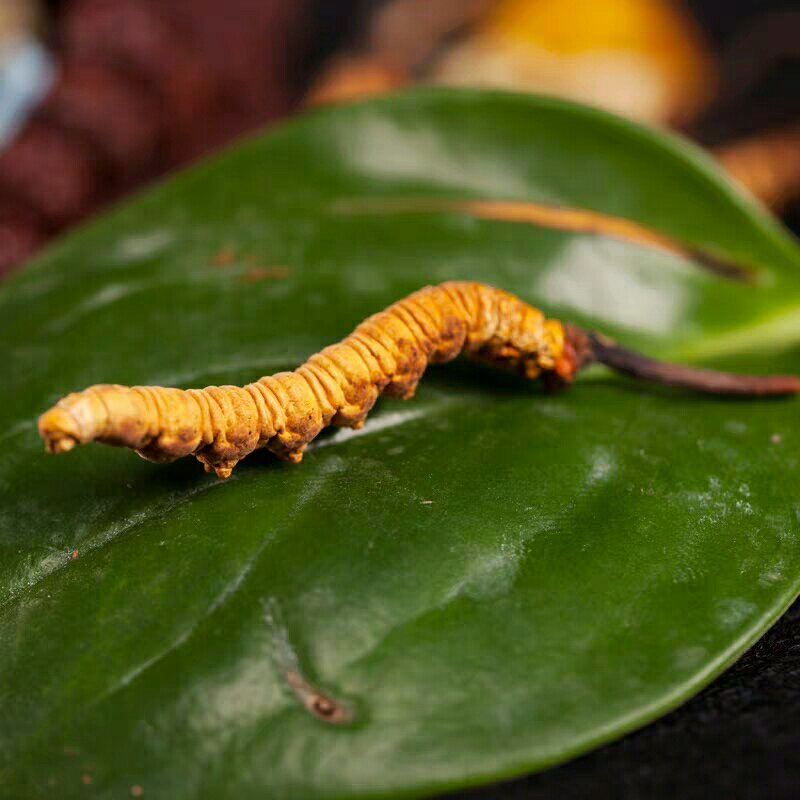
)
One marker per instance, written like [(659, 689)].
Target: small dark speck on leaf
[(326, 709), (322, 706), (255, 273), (224, 257)]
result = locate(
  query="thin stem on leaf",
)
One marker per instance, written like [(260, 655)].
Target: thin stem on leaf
[(629, 362)]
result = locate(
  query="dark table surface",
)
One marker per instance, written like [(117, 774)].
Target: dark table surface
[(740, 738)]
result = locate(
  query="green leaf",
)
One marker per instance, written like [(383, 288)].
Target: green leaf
[(489, 580)]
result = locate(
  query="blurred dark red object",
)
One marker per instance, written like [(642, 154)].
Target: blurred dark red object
[(143, 86)]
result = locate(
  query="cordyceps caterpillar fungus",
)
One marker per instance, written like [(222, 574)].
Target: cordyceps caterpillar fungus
[(388, 352)]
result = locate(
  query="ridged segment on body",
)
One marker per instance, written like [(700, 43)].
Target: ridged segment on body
[(388, 352)]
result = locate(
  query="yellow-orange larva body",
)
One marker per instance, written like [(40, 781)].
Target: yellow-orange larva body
[(388, 352)]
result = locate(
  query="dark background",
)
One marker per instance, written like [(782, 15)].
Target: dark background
[(145, 92)]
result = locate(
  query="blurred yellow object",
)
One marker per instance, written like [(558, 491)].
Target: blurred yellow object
[(642, 58)]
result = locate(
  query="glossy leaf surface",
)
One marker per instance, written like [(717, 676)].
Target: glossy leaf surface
[(487, 579)]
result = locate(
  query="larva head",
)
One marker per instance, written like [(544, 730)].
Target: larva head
[(59, 429), (77, 418)]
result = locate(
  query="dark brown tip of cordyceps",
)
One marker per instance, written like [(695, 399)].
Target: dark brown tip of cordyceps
[(578, 343), (629, 362)]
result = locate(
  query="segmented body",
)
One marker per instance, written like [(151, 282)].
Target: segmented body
[(388, 352)]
